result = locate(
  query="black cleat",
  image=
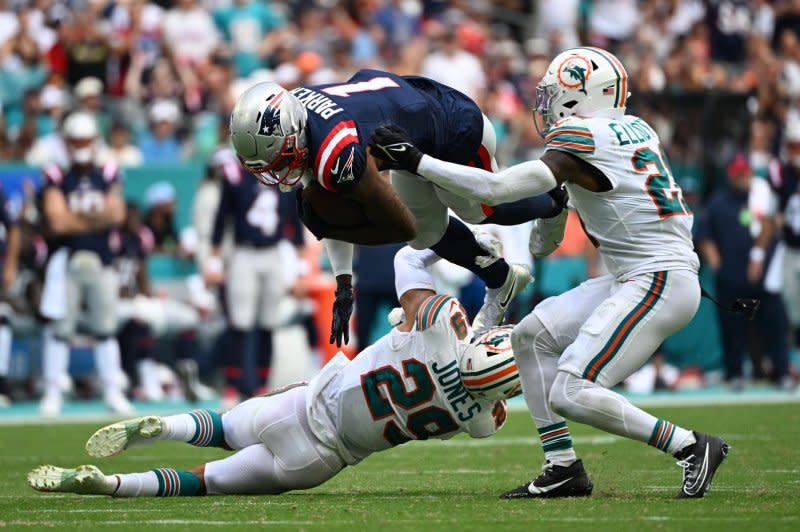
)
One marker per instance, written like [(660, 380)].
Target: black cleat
[(699, 462), (555, 481)]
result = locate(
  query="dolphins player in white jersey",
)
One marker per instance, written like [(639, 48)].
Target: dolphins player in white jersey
[(424, 379), (574, 347)]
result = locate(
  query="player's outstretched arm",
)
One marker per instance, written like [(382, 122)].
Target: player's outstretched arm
[(517, 182), (520, 181)]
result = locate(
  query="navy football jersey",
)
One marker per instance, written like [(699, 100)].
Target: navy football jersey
[(785, 181), (341, 118), (85, 192), (258, 212)]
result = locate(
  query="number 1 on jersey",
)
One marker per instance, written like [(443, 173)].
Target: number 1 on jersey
[(661, 186), (371, 85)]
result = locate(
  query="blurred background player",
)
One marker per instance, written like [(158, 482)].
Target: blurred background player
[(304, 434), (784, 179), (726, 237), (255, 281), (9, 260), (83, 208), (145, 317)]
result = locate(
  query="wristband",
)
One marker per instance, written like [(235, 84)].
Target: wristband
[(214, 265), (757, 254)]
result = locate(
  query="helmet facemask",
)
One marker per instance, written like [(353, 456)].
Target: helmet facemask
[(544, 96), (287, 168)]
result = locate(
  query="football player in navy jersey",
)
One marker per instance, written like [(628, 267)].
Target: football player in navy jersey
[(318, 135), (82, 207), (255, 280), (9, 256), (143, 317)]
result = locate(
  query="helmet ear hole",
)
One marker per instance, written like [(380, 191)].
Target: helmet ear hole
[(594, 65), (570, 104)]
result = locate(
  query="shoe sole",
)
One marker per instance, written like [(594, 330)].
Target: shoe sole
[(49, 478), (113, 439), (555, 494)]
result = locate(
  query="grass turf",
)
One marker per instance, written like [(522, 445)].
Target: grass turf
[(435, 485)]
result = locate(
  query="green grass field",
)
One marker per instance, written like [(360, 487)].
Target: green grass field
[(442, 485)]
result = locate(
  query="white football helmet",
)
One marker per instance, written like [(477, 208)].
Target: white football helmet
[(80, 133), (487, 366), (581, 81), (268, 131)]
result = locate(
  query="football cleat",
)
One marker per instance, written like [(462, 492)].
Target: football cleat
[(699, 462), (115, 438), (497, 300), (85, 480), (555, 481)]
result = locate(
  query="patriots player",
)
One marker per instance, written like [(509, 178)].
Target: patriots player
[(576, 346), (9, 260), (255, 280), (82, 207), (318, 135), (305, 434)]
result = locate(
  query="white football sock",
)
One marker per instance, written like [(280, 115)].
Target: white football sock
[(55, 362), (148, 379), (180, 427), (134, 484), (107, 361)]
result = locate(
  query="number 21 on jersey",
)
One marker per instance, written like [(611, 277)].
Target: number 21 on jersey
[(660, 185)]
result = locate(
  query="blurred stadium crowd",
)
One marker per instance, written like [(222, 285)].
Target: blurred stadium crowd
[(718, 79)]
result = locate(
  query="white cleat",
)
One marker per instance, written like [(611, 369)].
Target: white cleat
[(119, 404), (85, 480), (115, 438), (51, 403), (497, 300)]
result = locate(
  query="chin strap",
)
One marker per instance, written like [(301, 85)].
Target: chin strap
[(745, 306)]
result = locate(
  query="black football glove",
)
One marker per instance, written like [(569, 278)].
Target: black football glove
[(310, 219), (342, 309), (560, 195), (392, 143)]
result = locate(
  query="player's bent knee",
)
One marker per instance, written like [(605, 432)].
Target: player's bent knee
[(521, 341), (565, 396), (525, 334)]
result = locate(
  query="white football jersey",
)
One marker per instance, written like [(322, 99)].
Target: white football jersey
[(406, 386), (642, 224)]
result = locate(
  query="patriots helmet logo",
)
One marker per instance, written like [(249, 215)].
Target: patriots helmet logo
[(270, 120)]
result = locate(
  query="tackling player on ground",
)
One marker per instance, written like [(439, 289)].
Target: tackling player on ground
[(422, 380), (318, 135), (574, 347)]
